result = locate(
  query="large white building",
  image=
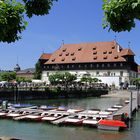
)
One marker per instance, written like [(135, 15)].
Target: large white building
[(107, 61)]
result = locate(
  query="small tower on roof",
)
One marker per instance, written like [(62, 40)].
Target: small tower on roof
[(17, 67)]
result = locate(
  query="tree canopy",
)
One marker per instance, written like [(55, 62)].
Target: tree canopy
[(64, 78), (7, 76), (119, 16), (12, 16), (38, 70)]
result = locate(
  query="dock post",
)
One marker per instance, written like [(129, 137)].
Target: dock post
[(130, 106), (137, 100)]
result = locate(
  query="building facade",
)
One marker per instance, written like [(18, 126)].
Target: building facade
[(107, 61), (27, 73)]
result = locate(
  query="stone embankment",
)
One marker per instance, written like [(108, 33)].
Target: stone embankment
[(119, 94)]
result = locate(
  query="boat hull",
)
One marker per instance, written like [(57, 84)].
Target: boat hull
[(112, 128)]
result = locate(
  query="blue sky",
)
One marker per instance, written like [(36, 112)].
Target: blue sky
[(73, 21)]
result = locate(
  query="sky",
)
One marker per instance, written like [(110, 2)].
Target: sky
[(71, 21)]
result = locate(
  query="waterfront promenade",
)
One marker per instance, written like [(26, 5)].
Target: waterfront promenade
[(120, 94)]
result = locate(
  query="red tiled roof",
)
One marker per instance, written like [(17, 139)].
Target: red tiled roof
[(45, 56), (89, 52), (125, 52)]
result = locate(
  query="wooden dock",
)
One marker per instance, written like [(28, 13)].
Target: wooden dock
[(126, 109)]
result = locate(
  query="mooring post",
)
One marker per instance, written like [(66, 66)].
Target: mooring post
[(130, 105), (137, 100)]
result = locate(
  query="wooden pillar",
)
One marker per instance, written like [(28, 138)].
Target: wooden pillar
[(137, 100), (130, 105)]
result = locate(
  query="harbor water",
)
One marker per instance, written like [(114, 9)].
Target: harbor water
[(44, 131)]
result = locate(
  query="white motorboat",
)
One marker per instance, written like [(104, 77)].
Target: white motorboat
[(91, 121)]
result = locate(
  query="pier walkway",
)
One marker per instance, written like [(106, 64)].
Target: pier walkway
[(126, 108)]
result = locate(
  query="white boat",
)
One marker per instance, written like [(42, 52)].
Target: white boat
[(34, 116), (74, 120), (126, 101), (105, 113), (118, 106), (112, 109), (91, 121), (93, 111), (3, 113), (74, 110), (52, 117)]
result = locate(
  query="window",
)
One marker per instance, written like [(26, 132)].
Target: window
[(105, 57), (113, 74), (115, 64), (116, 57), (85, 66), (94, 52), (121, 64), (94, 58), (48, 67), (64, 50), (121, 73), (91, 65), (68, 66), (67, 54), (72, 54), (47, 74), (97, 65), (113, 47), (108, 65), (108, 73), (94, 48), (97, 72), (79, 49), (73, 59), (72, 66), (60, 54), (53, 60), (103, 65), (63, 59), (105, 52), (79, 66), (110, 52)]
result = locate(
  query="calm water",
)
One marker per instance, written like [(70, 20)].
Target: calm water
[(44, 131)]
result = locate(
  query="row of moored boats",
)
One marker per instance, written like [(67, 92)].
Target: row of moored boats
[(63, 116)]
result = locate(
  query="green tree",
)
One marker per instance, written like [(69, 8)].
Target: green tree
[(136, 81), (23, 79), (64, 78), (68, 78), (12, 13), (88, 79), (55, 78), (120, 15), (8, 76), (38, 71)]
